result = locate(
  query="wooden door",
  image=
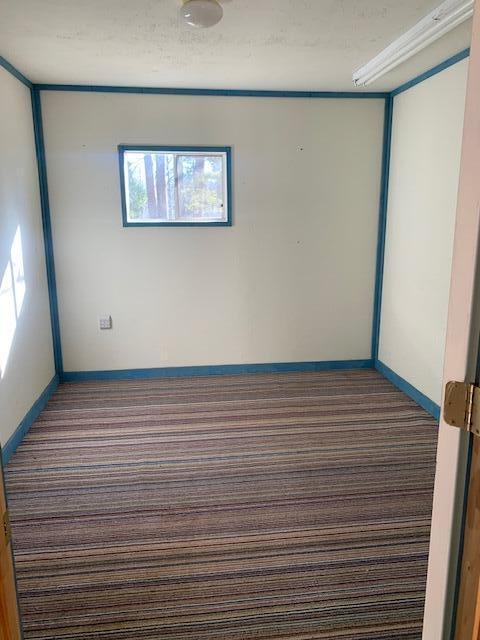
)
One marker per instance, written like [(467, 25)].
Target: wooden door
[(453, 595), (9, 616), (467, 620), (467, 625)]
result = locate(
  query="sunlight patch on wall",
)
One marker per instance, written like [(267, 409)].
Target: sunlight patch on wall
[(12, 294)]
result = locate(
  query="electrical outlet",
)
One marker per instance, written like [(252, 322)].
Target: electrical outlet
[(105, 322)]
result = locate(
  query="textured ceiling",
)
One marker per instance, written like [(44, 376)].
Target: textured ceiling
[(267, 44)]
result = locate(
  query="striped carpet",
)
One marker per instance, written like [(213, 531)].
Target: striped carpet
[(285, 506)]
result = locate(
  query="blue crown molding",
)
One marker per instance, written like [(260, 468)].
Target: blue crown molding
[(258, 93), (252, 93), (38, 406), (47, 229), (431, 72), (215, 370), (15, 72), (382, 225)]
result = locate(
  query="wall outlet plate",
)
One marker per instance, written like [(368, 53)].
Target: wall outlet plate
[(105, 322)]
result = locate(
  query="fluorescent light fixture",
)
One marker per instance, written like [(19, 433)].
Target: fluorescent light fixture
[(436, 24)]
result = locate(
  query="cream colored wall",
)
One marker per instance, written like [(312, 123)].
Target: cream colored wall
[(425, 163), (29, 367), (292, 280)]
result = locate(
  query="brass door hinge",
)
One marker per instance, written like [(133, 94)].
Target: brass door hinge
[(462, 406), (6, 529)]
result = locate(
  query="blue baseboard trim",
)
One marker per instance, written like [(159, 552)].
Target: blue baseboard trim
[(413, 393), (214, 370), (24, 426)]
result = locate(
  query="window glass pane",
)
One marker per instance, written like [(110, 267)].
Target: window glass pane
[(200, 187), (150, 188), (174, 186)]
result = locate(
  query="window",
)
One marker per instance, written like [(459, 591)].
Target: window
[(175, 186)]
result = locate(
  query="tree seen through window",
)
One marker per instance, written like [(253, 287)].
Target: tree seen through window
[(169, 186)]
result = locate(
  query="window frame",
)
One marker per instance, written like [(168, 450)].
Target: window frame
[(140, 148)]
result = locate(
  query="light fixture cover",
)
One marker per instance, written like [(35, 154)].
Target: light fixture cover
[(201, 13), (436, 24)]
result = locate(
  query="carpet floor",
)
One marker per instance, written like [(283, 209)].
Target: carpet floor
[(257, 507)]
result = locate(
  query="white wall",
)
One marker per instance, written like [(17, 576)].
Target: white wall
[(292, 280), (29, 367), (425, 164)]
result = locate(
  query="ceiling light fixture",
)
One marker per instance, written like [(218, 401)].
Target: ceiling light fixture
[(201, 13), (436, 24)]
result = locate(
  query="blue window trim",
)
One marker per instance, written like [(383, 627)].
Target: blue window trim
[(146, 147)]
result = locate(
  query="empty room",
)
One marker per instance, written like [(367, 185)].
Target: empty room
[(238, 320)]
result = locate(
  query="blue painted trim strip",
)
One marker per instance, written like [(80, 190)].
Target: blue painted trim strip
[(141, 225), (258, 93), (186, 148), (253, 93), (382, 225), (47, 229), (432, 72), (36, 409), (15, 72), (139, 147), (413, 393), (214, 370)]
